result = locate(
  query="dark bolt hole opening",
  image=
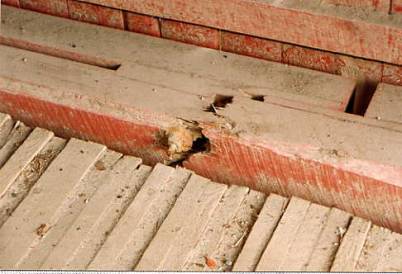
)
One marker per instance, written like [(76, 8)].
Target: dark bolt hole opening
[(220, 101), (260, 98)]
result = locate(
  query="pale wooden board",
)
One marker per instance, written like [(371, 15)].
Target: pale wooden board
[(386, 104), (22, 157), (96, 176), (351, 246), (191, 69), (87, 234), (391, 261), (28, 177), (306, 238), (233, 238), (6, 125), (46, 202), (299, 244), (278, 247), (378, 241), (261, 233), (328, 243), (219, 224), (133, 233), (17, 136), (171, 246)]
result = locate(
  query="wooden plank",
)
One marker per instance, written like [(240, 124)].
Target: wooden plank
[(22, 157), (392, 257), (182, 229), (328, 243), (220, 222), (17, 136), (306, 238), (191, 70), (89, 231), (133, 233), (386, 104), (297, 251), (96, 177), (226, 232), (351, 246), (28, 177), (261, 233), (378, 241), (46, 202), (6, 125), (278, 247), (233, 238)]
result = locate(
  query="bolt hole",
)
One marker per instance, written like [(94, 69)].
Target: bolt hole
[(260, 98), (220, 101)]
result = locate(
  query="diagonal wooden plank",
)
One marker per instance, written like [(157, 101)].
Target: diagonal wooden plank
[(22, 157), (182, 229), (28, 177), (284, 235), (351, 246), (46, 202), (323, 255), (233, 238), (89, 231), (128, 240), (374, 251), (218, 225), (261, 233), (391, 261), (6, 125), (17, 136), (74, 204), (306, 238)]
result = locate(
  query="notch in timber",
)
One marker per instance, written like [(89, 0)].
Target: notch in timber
[(220, 102), (60, 53)]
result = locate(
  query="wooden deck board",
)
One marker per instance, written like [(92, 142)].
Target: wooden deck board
[(22, 157), (172, 244), (351, 246), (28, 177), (41, 209), (17, 136), (127, 242), (75, 203), (261, 233), (6, 125), (87, 234)]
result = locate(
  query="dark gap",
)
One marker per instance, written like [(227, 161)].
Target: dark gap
[(260, 98), (125, 20), (220, 101), (60, 53), (361, 97), (349, 107)]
